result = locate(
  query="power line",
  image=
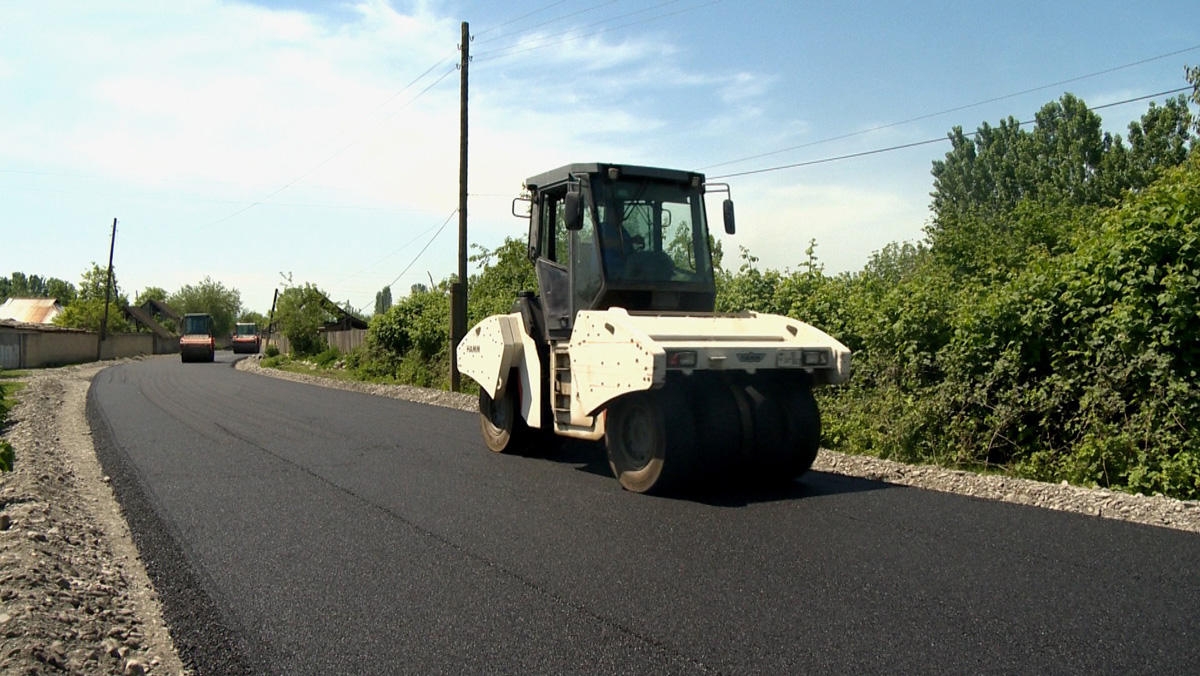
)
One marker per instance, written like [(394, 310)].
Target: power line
[(954, 109), (360, 272), (519, 18), (422, 251), (345, 147), (556, 19), (903, 146)]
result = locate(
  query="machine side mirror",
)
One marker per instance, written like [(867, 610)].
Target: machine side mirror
[(727, 212), (524, 210), (535, 231), (573, 211)]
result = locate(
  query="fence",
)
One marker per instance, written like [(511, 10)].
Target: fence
[(27, 346), (344, 341)]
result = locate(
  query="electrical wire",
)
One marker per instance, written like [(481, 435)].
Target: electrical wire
[(903, 146), (345, 147), (956, 109), (518, 18), (361, 272), (556, 19), (422, 251)]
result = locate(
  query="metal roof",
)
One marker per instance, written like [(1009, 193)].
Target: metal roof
[(30, 310)]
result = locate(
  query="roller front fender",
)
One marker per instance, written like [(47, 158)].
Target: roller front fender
[(494, 349)]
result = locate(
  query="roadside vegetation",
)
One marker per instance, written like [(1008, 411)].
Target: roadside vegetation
[(10, 385), (1045, 327)]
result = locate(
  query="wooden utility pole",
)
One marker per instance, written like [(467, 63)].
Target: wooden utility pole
[(271, 321), (458, 294), (107, 293)]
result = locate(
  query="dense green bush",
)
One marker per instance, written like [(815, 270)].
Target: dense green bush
[(328, 357), (1077, 365), (1083, 367), (410, 342), (300, 313)]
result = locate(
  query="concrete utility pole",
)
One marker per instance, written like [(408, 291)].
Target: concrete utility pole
[(107, 293), (458, 293)]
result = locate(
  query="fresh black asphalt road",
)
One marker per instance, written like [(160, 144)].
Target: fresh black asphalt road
[(295, 529)]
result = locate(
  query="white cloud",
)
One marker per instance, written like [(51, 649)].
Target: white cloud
[(742, 86), (776, 221), (188, 113)]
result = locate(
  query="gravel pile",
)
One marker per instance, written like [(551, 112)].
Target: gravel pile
[(75, 598)]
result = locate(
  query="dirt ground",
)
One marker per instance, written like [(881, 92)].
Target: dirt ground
[(75, 598)]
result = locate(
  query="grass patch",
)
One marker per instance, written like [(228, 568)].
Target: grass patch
[(328, 370), (8, 392), (9, 387), (318, 370)]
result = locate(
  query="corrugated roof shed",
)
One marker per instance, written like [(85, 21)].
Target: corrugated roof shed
[(31, 310)]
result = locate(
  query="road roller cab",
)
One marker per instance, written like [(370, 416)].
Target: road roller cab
[(621, 342), (196, 342)]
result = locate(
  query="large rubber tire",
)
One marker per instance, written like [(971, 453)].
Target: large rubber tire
[(650, 439), (803, 428), (769, 457), (722, 438), (504, 431), (787, 429)]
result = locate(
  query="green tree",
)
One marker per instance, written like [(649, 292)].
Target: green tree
[(300, 313), (87, 310), (1000, 197), (21, 285), (503, 272), (1159, 140), (151, 293), (383, 300), (212, 297), (61, 290), (1066, 148), (252, 317), (1193, 78)]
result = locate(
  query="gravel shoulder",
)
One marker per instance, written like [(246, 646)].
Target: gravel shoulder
[(74, 594)]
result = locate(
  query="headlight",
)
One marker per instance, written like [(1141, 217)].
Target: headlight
[(816, 357), (681, 359)]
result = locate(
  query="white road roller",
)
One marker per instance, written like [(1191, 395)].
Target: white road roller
[(622, 344)]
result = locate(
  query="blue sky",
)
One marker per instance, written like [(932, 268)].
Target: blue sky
[(247, 141)]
